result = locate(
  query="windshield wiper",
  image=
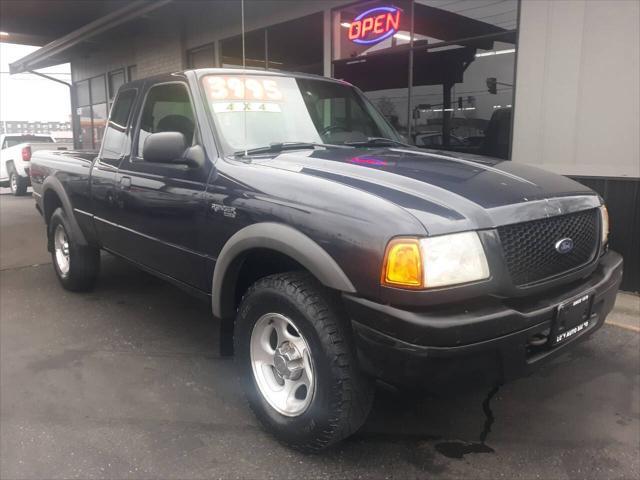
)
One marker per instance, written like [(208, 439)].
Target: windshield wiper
[(378, 142), (282, 146)]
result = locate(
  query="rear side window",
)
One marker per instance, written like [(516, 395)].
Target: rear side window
[(115, 137), (167, 109)]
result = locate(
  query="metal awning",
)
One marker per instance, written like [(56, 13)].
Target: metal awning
[(38, 22), (59, 50)]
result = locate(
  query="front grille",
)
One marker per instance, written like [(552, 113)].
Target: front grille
[(529, 247)]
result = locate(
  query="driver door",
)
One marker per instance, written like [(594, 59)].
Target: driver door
[(161, 205)]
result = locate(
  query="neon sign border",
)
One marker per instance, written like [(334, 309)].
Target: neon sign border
[(391, 32)]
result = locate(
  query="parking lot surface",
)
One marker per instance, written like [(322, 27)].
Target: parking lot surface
[(127, 382)]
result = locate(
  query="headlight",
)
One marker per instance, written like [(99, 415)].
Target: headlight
[(434, 261), (604, 217)]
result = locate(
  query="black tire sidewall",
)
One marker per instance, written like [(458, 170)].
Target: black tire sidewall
[(316, 419), (21, 183)]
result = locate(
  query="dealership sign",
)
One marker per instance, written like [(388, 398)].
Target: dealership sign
[(374, 25)]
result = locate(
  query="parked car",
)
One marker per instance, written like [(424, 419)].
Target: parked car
[(332, 253), (15, 156)]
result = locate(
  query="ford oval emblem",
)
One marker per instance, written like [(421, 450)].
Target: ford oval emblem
[(564, 246)]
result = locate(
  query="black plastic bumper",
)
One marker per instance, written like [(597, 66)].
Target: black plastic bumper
[(500, 336)]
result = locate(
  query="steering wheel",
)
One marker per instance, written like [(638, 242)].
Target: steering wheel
[(332, 128)]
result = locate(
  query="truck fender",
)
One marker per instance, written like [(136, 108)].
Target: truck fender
[(52, 183), (278, 237)]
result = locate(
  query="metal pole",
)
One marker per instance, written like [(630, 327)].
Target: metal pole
[(72, 97), (446, 114), (410, 86)]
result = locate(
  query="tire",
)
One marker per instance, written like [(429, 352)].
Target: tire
[(78, 269), (17, 184), (338, 397)]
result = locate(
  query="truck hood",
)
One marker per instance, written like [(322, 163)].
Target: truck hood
[(445, 191)]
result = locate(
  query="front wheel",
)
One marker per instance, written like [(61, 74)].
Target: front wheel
[(76, 265), (298, 364)]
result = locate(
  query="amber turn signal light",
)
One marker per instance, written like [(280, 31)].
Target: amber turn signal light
[(402, 265)]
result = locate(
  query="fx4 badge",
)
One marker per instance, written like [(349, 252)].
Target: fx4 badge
[(226, 211)]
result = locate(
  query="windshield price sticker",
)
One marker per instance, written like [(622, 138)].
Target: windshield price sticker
[(231, 107), (238, 88)]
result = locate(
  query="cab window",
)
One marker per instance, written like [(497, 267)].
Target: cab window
[(167, 109)]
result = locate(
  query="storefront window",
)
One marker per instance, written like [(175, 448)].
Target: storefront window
[(366, 28), (116, 80), (132, 73), (91, 98), (98, 90), (84, 117), (304, 54), (99, 112), (254, 45), (82, 93), (296, 45), (453, 88)]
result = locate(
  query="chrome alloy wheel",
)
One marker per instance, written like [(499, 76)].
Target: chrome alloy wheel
[(61, 247), (14, 182), (282, 364)]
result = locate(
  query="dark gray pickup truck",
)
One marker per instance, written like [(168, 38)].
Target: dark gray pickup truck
[(331, 252)]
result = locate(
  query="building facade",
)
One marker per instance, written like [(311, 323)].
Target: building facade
[(19, 126), (552, 83)]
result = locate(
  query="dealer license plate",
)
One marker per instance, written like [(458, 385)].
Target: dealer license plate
[(573, 317)]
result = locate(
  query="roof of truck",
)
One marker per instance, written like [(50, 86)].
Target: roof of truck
[(238, 71), (250, 71)]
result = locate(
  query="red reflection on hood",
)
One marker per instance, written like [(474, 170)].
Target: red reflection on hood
[(368, 161)]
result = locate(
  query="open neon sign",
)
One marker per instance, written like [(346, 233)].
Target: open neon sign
[(374, 25)]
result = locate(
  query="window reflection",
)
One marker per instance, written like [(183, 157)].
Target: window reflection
[(460, 93)]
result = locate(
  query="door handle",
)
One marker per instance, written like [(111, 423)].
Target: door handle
[(125, 183)]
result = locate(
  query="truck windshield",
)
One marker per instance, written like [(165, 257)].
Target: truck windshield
[(254, 111)]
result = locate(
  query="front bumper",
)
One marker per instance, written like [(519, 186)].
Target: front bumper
[(495, 336)]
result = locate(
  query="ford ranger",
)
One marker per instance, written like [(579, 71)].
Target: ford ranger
[(332, 253)]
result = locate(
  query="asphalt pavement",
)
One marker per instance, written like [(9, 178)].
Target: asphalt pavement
[(127, 382)]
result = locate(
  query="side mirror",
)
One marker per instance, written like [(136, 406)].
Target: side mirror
[(164, 147)]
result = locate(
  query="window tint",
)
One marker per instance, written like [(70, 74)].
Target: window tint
[(115, 136), (167, 109)]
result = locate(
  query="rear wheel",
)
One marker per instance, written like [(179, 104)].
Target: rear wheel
[(298, 364), (17, 184), (77, 266)]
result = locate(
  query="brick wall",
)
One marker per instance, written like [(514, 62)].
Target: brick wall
[(155, 48)]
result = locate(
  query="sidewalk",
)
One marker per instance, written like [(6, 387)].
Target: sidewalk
[(626, 313)]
